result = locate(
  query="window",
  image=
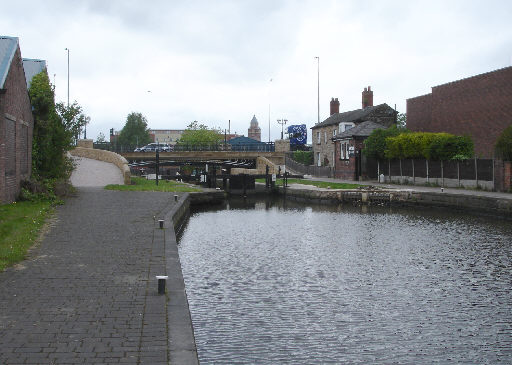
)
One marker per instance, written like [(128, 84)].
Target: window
[(325, 137), (348, 126), (318, 138), (334, 132), (319, 160), (344, 148)]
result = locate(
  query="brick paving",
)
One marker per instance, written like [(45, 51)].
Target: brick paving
[(88, 293)]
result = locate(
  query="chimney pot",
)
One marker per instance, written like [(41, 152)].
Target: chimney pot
[(335, 106), (367, 97)]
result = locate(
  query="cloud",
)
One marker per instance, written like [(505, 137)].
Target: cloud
[(212, 61)]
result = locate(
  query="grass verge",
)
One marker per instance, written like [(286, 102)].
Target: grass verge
[(319, 184), (20, 224), (141, 184)]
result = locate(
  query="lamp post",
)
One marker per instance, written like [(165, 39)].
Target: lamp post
[(269, 90), (318, 86), (282, 122), (67, 49)]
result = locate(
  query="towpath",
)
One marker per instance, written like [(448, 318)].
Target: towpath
[(88, 293)]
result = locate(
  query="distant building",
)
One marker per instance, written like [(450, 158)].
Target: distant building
[(324, 133), (254, 130), (16, 121), (479, 106), (168, 136)]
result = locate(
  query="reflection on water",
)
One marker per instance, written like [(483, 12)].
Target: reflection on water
[(281, 282)]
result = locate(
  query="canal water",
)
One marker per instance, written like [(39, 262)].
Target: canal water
[(276, 282)]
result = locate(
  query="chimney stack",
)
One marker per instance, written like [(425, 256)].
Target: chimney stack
[(367, 97), (335, 106)]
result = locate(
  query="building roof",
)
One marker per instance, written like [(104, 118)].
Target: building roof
[(32, 67), (8, 47), (244, 140), (361, 130), (353, 116)]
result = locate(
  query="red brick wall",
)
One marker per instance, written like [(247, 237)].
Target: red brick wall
[(346, 169), (16, 130), (480, 106), (419, 113)]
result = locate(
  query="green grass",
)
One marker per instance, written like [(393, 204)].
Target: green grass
[(20, 224), (320, 184), (141, 184)]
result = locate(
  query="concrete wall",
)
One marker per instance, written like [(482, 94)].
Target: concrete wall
[(478, 204), (105, 156)]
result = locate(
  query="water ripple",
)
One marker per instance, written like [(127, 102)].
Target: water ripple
[(272, 285)]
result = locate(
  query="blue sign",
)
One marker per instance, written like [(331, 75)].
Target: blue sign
[(298, 134)]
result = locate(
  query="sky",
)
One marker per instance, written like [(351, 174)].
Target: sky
[(219, 61)]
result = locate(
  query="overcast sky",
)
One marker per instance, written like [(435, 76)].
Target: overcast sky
[(212, 61)]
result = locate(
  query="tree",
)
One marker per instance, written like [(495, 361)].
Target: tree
[(401, 120), (135, 132), (504, 144), (73, 118), (51, 138), (375, 144), (199, 134), (101, 138)]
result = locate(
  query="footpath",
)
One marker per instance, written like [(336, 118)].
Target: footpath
[(88, 293)]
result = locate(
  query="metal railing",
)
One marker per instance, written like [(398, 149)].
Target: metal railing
[(262, 147)]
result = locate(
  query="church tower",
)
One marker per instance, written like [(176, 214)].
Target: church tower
[(254, 131)]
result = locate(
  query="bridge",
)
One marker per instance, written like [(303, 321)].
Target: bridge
[(278, 158)]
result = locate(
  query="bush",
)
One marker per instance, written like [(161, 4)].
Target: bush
[(431, 146), (303, 157), (504, 144), (375, 144)]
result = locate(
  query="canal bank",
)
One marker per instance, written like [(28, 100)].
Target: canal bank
[(475, 203)]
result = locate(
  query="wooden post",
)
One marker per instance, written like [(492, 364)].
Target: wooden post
[(427, 169), (442, 174), (458, 172), (413, 175), (476, 173)]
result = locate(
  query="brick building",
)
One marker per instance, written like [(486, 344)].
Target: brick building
[(325, 133), (16, 121), (479, 106)]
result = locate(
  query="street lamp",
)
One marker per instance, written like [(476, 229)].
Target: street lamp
[(67, 49), (318, 86), (282, 122)]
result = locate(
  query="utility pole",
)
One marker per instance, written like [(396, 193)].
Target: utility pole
[(67, 49), (318, 86)]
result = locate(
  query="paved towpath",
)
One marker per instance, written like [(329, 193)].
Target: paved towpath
[(88, 293), (90, 172)]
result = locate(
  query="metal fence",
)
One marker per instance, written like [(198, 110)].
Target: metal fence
[(263, 147), (318, 171)]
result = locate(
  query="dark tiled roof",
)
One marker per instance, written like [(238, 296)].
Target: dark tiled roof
[(361, 130), (355, 116)]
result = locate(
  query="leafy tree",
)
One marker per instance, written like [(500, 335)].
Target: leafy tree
[(73, 118), (101, 138), (199, 134), (401, 120), (135, 132), (504, 144), (375, 144), (51, 138), (303, 157)]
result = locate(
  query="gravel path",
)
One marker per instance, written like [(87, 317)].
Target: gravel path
[(89, 173)]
